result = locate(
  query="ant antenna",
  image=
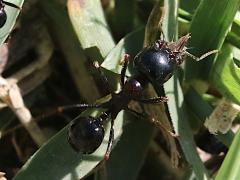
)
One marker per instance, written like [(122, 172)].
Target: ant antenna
[(202, 56)]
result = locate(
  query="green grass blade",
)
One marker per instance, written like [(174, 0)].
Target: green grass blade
[(209, 27), (91, 27), (129, 154), (64, 34), (177, 110), (131, 44), (182, 128), (12, 14), (230, 168), (122, 23), (225, 75), (57, 160)]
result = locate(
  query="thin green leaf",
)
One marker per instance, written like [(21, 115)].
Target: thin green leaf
[(225, 75), (189, 5), (131, 44), (12, 14), (91, 27), (122, 23), (128, 156), (57, 160), (230, 168), (182, 128), (209, 27), (176, 105), (60, 24)]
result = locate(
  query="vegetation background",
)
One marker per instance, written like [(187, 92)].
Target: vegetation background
[(48, 61)]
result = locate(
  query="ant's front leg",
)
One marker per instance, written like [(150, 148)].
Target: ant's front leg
[(124, 63), (154, 100)]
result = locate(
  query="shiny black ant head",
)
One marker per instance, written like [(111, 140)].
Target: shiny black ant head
[(158, 64), (85, 134), (159, 61), (3, 14)]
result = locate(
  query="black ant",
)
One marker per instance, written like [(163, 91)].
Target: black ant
[(86, 133), (3, 14), (155, 63)]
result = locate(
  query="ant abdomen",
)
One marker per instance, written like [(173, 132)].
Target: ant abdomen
[(85, 134)]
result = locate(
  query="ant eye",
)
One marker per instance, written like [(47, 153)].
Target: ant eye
[(3, 17), (85, 134)]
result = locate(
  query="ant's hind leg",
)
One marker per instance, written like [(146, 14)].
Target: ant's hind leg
[(110, 141), (157, 123), (124, 63)]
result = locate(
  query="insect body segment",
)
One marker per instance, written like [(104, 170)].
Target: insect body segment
[(86, 133)]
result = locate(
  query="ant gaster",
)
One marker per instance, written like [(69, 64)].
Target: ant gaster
[(3, 15), (155, 63)]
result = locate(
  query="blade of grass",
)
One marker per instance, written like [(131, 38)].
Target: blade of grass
[(176, 105), (122, 23), (131, 44), (209, 27), (230, 168), (129, 154), (60, 26), (225, 75), (181, 126), (57, 160), (189, 5), (91, 27)]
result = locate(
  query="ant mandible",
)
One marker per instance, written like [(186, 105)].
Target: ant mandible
[(155, 63), (3, 14)]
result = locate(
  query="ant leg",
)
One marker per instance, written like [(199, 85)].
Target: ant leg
[(11, 5), (103, 77), (158, 124), (124, 63), (154, 100), (61, 109), (110, 141)]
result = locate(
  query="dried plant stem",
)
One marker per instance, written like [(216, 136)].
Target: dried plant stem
[(10, 95)]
